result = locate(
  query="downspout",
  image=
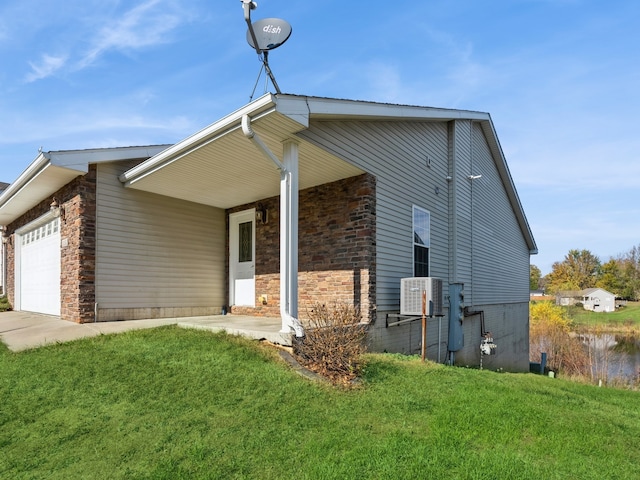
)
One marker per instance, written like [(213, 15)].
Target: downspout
[(288, 228)]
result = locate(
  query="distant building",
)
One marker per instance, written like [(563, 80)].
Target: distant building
[(593, 299), (598, 300), (539, 295), (567, 298)]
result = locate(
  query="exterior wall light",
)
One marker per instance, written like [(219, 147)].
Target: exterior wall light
[(58, 211), (262, 214)]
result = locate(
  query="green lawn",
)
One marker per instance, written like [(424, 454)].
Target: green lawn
[(170, 403), (627, 316)]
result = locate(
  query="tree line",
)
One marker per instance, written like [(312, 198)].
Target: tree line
[(580, 269)]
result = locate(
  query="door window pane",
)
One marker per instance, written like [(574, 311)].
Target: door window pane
[(245, 238)]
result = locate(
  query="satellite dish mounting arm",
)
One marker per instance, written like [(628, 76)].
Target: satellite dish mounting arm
[(247, 6)]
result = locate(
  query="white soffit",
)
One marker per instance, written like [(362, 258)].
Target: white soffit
[(221, 167)]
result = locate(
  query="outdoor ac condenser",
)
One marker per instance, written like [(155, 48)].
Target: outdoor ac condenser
[(411, 296)]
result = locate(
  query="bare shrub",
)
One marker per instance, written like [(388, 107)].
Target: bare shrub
[(334, 342)]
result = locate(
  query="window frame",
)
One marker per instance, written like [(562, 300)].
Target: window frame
[(418, 214)]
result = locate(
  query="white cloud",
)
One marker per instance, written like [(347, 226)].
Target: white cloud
[(47, 66), (145, 25)]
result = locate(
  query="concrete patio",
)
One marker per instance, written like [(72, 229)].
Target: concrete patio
[(25, 330)]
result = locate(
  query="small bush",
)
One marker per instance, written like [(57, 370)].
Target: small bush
[(4, 304), (334, 342)]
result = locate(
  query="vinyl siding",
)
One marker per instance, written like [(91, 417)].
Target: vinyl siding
[(499, 252), (155, 252), (396, 153), (491, 259), (460, 168)]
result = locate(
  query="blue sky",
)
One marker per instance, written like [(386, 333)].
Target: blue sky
[(559, 77)]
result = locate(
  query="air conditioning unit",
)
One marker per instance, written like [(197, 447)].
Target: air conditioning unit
[(411, 296)]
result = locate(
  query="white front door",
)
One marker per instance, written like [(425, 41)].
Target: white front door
[(242, 252)]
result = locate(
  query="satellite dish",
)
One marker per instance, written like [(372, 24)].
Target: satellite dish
[(269, 33), (265, 35)]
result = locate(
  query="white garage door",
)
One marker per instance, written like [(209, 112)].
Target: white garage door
[(40, 269)]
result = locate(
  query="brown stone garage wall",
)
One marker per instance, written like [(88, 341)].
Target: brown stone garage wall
[(77, 250)]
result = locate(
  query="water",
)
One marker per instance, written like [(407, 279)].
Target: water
[(615, 357)]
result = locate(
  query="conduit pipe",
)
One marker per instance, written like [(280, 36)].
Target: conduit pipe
[(288, 227)]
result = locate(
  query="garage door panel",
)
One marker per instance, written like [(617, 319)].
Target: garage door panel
[(40, 269)]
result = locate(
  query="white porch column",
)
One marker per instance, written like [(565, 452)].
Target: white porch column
[(289, 239)]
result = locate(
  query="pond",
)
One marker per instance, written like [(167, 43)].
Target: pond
[(614, 357)]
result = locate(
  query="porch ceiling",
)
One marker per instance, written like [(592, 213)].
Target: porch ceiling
[(221, 167)]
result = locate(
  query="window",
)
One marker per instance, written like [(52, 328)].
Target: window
[(421, 241), (245, 242)]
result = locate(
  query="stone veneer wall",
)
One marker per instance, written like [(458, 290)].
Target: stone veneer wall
[(337, 249), (78, 246), (78, 237)]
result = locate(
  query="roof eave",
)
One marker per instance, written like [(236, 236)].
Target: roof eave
[(331, 108), (50, 171)]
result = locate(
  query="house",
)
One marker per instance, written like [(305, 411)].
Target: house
[(540, 296), (598, 300), (287, 202), (567, 298)]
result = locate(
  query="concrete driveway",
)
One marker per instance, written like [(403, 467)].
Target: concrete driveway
[(24, 330)]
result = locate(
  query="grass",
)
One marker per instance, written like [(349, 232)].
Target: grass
[(624, 318), (169, 403)]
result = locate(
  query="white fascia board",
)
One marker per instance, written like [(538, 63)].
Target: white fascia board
[(208, 134), (334, 108), (81, 159), (37, 166)]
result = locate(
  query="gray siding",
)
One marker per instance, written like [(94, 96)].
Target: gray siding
[(396, 153), (489, 255), (460, 211), (155, 256), (499, 252)]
